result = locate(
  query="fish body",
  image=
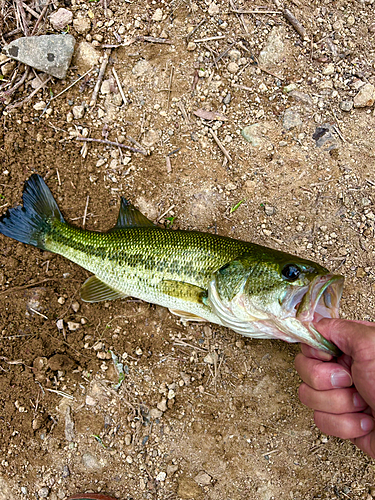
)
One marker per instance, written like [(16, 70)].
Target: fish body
[(254, 290)]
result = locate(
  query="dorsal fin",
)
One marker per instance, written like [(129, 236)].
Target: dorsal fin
[(129, 216)]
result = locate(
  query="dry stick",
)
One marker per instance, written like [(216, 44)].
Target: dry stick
[(119, 85), (195, 29), (133, 141), (165, 213), (17, 85), (209, 39), (338, 129), (16, 288), (29, 97), (22, 14), (29, 9), (224, 53), (294, 22), (40, 18), (225, 152), (100, 77), (110, 143), (71, 85), (170, 87), (85, 212)]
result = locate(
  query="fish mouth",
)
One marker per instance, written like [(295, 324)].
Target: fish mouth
[(322, 300)]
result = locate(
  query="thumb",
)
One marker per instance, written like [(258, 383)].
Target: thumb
[(355, 338)]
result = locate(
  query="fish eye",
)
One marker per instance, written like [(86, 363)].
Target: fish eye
[(291, 272)]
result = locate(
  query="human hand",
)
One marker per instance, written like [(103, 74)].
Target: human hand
[(341, 391)]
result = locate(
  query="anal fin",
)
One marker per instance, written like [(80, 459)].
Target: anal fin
[(186, 316), (94, 290)]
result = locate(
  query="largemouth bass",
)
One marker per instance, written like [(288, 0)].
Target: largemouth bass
[(254, 290)]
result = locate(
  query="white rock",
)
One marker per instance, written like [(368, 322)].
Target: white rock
[(329, 69), (158, 15), (213, 9), (162, 405), (39, 106), (365, 97), (161, 476), (191, 46), (233, 67), (60, 19), (106, 87), (90, 401), (72, 326), (78, 112)]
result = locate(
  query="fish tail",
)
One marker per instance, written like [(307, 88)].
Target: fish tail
[(31, 222)]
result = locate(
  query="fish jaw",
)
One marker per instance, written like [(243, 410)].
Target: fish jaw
[(292, 320), (322, 300)]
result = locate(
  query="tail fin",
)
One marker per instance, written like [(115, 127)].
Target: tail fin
[(30, 223)]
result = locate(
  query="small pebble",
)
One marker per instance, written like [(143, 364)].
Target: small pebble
[(75, 306), (78, 112), (72, 326), (191, 46), (161, 476), (233, 67), (346, 105), (39, 106), (43, 492), (227, 99)]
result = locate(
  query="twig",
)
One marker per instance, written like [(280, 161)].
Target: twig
[(60, 393), (136, 143), (170, 87), (295, 23), (119, 85), (19, 83), (224, 53), (29, 9), (29, 97), (224, 151), (168, 164), (71, 85), (152, 39), (100, 77), (338, 130), (23, 287), (165, 213), (85, 212), (37, 312), (239, 11), (40, 18), (189, 35), (110, 143), (209, 39), (58, 177), (22, 14)]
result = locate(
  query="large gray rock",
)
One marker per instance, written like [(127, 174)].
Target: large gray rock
[(49, 53)]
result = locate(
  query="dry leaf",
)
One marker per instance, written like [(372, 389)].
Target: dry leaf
[(210, 115)]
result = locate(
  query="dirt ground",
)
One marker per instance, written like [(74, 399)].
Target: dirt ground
[(202, 413)]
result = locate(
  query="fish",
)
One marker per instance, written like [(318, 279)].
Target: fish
[(256, 291)]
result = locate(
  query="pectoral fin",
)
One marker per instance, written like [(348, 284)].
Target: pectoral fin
[(182, 290), (94, 290)]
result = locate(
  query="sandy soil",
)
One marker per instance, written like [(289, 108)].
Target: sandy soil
[(201, 412)]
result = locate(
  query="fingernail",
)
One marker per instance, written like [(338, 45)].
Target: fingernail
[(367, 424), (341, 378), (358, 401)]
